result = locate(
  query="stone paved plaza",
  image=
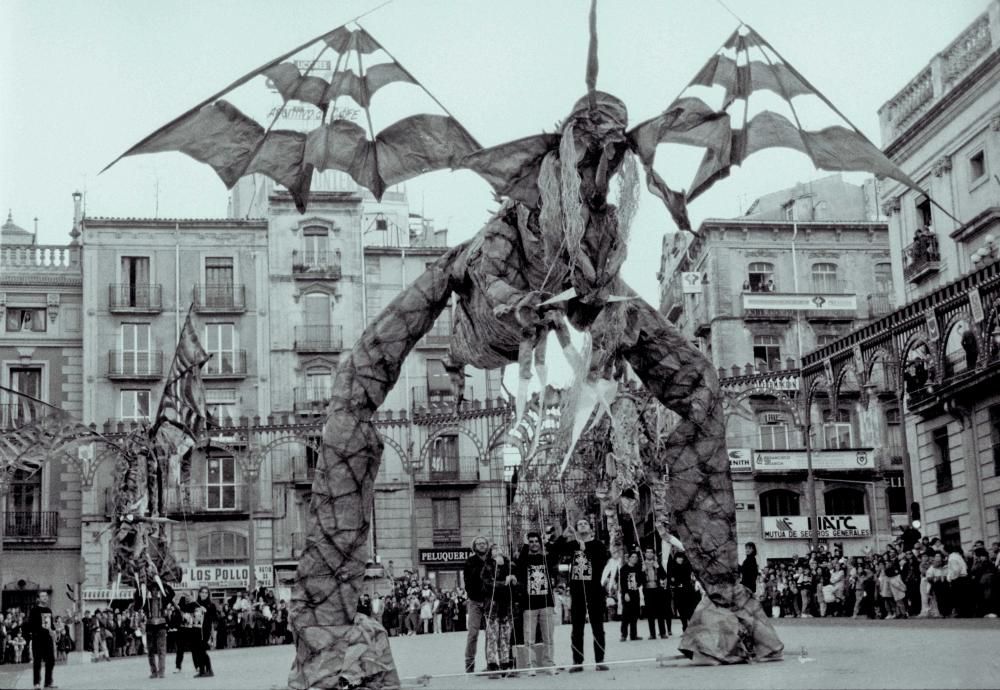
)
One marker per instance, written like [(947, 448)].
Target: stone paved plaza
[(838, 654)]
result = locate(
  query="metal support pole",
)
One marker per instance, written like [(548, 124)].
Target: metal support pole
[(3, 531), (252, 475), (811, 487)]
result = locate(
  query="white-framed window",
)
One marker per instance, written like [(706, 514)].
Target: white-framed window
[(319, 384), (220, 483), (220, 281), (221, 404), (136, 355), (978, 171), (767, 351), (135, 287), (824, 277), (774, 436), (760, 277), (220, 342), (135, 405), (315, 246), (838, 431), (25, 319)]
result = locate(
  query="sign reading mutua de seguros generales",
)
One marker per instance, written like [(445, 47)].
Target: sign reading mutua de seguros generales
[(830, 527)]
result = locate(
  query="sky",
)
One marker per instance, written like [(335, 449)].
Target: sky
[(81, 82)]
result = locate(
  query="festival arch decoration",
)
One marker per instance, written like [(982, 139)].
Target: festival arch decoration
[(548, 261)]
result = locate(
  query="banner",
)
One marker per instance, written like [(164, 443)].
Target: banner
[(789, 460), (799, 302), (830, 527), (225, 576), (740, 459)]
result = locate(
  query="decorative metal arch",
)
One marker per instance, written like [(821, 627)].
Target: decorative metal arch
[(956, 318), (395, 445), (849, 367), (886, 357), (782, 397), (991, 323), (484, 457)]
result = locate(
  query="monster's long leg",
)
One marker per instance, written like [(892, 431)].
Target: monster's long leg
[(331, 569), (700, 487)]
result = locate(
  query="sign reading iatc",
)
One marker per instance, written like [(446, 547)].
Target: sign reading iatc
[(830, 527)]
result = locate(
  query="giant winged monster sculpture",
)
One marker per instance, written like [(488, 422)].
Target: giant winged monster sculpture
[(547, 261)]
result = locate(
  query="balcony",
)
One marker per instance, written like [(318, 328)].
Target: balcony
[(135, 299), (227, 499), (319, 264), (146, 366), (226, 365), (14, 415), (448, 471), (890, 457), (921, 259), (437, 337), (219, 299), (319, 338), (312, 399), (31, 526)]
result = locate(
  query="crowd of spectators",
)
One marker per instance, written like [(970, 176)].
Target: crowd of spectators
[(913, 577), (15, 638)]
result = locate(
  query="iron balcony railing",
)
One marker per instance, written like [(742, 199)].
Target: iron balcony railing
[(921, 258), (314, 263), (319, 338), (312, 398), (207, 499), (24, 525), (444, 469), (135, 365), (14, 415), (230, 364), (135, 298), (219, 298)]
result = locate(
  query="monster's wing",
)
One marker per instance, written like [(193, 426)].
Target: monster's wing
[(512, 169), (746, 67), (304, 86)]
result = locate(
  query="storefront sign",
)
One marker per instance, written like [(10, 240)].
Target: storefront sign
[(107, 594), (225, 576), (830, 527), (739, 459), (789, 460), (449, 556), (794, 302)]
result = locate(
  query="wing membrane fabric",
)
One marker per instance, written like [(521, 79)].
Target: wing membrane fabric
[(234, 144), (512, 169), (692, 121)]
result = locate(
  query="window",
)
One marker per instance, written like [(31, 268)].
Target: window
[(220, 342), (135, 405), (824, 339), (767, 351), (951, 534), (135, 281), (824, 277), (446, 517), (438, 381), (760, 277), (779, 502), (444, 457), (837, 430), (774, 435), (135, 356), (895, 495), (883, 278), (315, 245), (942, 453), (319, 382), (20, 319), (977, 166), (923, 208), (222, 548), (844, 501), (221, 404), (219, 282), (220, 483), (995, 438), (25, 492)]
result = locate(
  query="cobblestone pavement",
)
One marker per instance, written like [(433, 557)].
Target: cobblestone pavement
[(833, 653)]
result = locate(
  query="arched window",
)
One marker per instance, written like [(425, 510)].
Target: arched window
[(824, 277), (779, 502), (838, 432), (844, 501), (222, 548), (760, 277)]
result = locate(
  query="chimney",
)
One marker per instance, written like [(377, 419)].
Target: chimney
[(77, 217)]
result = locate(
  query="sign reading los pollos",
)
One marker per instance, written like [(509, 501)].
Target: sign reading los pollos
[(226, 576), (443, 556), (786, 460), (830, 527)]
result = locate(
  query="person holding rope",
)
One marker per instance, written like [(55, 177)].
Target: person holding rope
[(498, 579), (537, 574), (473, 574), (657, 596), (631, 579), (588, 556)]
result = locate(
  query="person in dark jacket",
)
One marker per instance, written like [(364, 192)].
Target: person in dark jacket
[(588, 556), (657, 596), (631, 579), (536, 573), (679, 575), (749, 571), (472, 571), (41, 629), (155, 608), (210, 615), (498, 580)]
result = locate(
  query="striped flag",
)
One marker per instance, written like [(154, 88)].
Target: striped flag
[(747, 98), (182, 416)]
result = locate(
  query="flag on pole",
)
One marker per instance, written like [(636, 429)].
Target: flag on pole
[(182, 415)]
